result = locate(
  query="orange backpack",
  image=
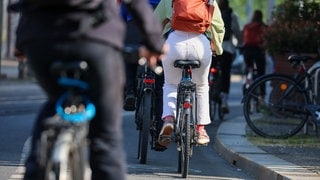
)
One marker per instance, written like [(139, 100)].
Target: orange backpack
[(192, 15)]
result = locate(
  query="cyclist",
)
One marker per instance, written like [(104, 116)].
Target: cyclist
[(184, 45), (253, 51), (232, 30), (46, 34), (133, 36)]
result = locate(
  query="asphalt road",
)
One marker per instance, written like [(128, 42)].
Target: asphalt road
[(20, 101)]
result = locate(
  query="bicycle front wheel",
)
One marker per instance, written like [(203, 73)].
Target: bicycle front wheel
[(273, 106), (146, 117)]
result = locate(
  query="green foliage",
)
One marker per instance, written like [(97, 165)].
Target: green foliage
[(239, 7), (296, 27)]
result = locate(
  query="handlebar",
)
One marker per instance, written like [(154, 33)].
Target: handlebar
[(131, 55)]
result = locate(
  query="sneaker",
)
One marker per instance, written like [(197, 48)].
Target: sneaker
[(165, 133), (129, 102), (158, 147), (225, 108), (203, 137)]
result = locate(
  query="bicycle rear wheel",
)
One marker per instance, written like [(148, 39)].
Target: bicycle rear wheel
[(273, 106), (68, 158), (145, 112), (185, 142)]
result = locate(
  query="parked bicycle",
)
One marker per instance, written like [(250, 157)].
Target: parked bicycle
[(186, 116), (216, 112), (64, 139), (283, 104)]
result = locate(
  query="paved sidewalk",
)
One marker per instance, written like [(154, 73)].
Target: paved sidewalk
[(237, 150)]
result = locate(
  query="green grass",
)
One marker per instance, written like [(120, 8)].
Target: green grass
[(298, 141)]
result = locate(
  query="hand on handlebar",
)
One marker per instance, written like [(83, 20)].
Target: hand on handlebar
[(152, 57)]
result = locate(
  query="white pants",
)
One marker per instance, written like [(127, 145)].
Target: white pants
[(193, 46)]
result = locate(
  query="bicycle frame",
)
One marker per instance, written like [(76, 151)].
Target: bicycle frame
[(186, 115)]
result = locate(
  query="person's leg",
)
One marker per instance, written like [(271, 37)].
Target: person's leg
[(260, 61), (133, 37), (200, 77), (225, 63), (40, 55), (158, 108), (107, 158), (130, 87), (172, 77)]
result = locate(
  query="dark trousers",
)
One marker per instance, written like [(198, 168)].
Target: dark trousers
[(255, 55), (106, 79), (225, 61)]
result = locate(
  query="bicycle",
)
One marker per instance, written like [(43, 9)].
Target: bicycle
[(214, 93), (283, 103), (145, 114), (186, 116), (63, 141), (147, 125)]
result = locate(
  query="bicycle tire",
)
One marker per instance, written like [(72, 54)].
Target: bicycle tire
[(46, 165), (215, 102), (278, 111), (314, 72), (185, 145), (185, 138), (146, 106), (77, 162)]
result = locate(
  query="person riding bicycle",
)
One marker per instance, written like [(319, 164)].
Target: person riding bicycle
[(187, 45), (253, 51), (232, 30), (47, 34), (135, 37)]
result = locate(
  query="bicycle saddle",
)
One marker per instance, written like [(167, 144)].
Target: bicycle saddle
[(72, 66), (183, 63), (297, 58)]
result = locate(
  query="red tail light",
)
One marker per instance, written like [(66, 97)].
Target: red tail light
[(186, 105), (149, 81), (189, 71), (213, 70)]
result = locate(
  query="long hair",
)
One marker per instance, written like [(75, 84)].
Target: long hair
[(257, 16), (223, 4)]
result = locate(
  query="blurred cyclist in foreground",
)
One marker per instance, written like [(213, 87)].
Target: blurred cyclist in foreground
[(91, 31)]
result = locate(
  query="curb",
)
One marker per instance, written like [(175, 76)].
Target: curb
[(231, 143)]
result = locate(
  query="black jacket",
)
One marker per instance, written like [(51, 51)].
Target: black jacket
[(45, 24)]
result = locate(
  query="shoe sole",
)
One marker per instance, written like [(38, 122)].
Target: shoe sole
[(165, 135), (129, 104), (225, 110), (203, 142)]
